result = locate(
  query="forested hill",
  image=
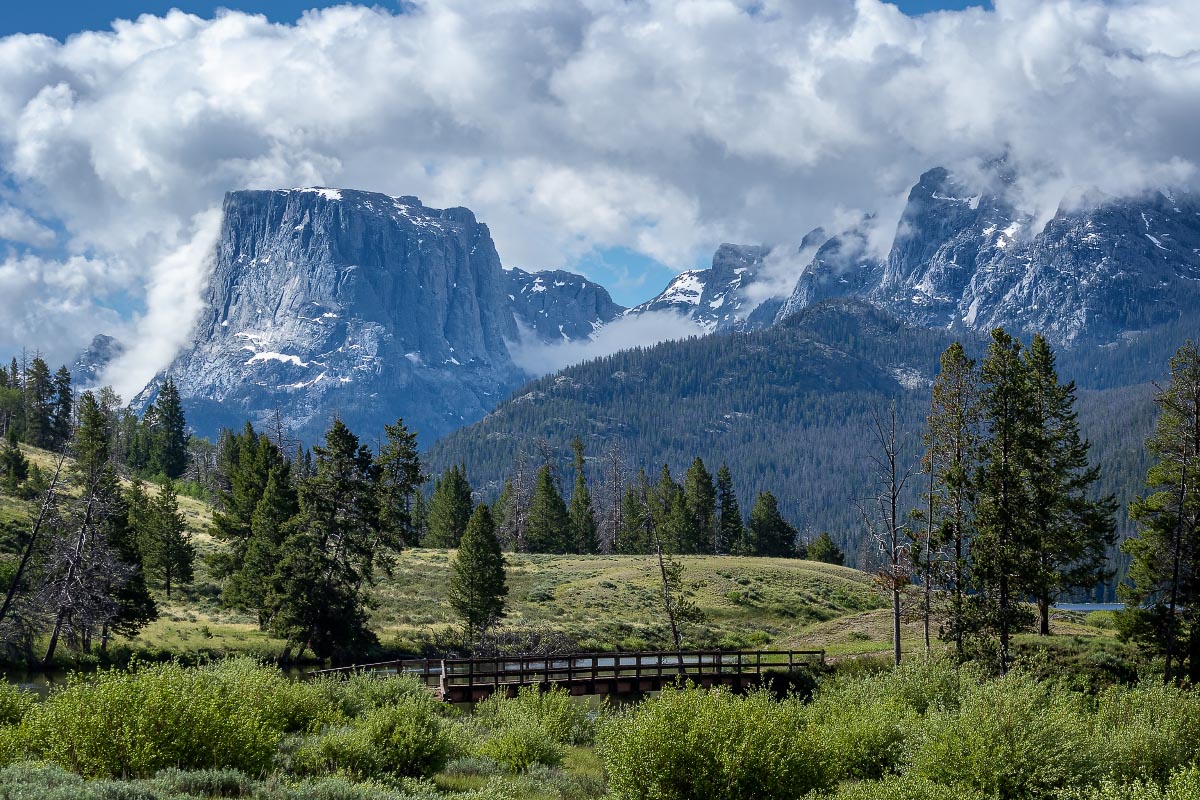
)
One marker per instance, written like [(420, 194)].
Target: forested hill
[(788, 408)]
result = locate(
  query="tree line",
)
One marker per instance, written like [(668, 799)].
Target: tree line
[(622, 514)]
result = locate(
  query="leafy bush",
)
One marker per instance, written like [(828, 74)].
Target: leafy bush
[(1183, 785), (862, 731), (692, 742), (15, 703), (1011, 738), (519, 745), (565, 720), (902, 788), (1147, 732), (360, 692), (133, 724), (405, 740), (1101, 619)]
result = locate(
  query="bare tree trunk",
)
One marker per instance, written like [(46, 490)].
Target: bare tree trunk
[(64, 610), (27, 553)]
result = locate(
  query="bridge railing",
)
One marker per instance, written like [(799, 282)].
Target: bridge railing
[(573, 668)]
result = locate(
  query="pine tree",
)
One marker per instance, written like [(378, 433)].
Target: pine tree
[(636, 519), (729, 514), (269, 527), (14, 467), (701, 500), (135, 605), (584, 532), (768, 533), (449, 509), (61, 410), (549, 522), (1163, 600), (168, 451), (662, 500), (39, 405), (245, 462), (317, 596), (825, 550), (1072, 533), (952, 440), (1005, 538), (477, 582), (400, 478), (167, 550)]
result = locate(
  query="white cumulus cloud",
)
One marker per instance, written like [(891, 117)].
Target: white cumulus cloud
[(659, 126)]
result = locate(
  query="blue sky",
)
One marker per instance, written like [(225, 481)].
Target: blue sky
[(61, 19)]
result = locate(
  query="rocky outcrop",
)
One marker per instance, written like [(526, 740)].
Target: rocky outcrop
[(555, 305), (360, 305), (90, 364), (716, 298), (965, 256)]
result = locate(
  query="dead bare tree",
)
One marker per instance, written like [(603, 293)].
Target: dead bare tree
[(883, 520), (614, 476), (47, 512), (515, 522)]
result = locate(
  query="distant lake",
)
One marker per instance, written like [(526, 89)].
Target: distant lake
[(1090, 606)]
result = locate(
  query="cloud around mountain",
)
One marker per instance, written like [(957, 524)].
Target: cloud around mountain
[(661, 127)]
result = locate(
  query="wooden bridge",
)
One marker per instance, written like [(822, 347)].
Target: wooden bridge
[(467, 680)]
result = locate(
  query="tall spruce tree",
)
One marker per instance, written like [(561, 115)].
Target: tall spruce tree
[(168, 553), (549, 521), (477, 581), (245, 462), (38, 406), (1006, 538), (768, 533), (1072, 532), (636, 518), (1163, 599), (62, 409), (168, 441), (701, 499), (269, 527), (400, 479), (952, 439), (317, 597), (584, 531), (729, 514), (449, 508)]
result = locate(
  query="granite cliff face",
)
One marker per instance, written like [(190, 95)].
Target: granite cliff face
[(966, 257), (555, 305), (368, 307)]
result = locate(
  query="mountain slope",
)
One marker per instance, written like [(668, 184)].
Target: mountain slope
[(327, 302), (965, 257), (715, 298), (789, 408), (557, 305)]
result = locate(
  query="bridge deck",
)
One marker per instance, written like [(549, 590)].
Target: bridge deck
[(471, 679)]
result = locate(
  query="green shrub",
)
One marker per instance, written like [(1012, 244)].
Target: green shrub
[(204, 782), (15, 703), (342, 788), (1101, 619), (133, 724), (692, 743), (1147, 732), (405, 740), (902, 788), (519, 745), (1183, 785), (565, 720), (862, 731), (360, 692), (1011, 738)]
